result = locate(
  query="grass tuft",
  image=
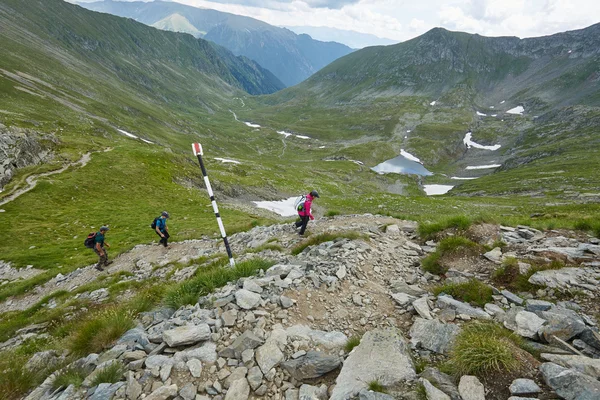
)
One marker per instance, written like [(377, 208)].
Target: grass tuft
[(583, 225), (325, 237), (332, 213), (99, 331), (210, 278), (473, 291), (509, 276), (351, 343), (484, 348), (429, 230), (110, 374), (448, 246), (69, 376), (375, 386)]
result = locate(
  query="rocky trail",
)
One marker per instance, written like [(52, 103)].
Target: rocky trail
[(284, 333)]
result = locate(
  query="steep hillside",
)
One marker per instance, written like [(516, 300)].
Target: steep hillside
[(292, 58)]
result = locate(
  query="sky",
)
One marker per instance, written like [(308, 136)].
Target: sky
[(404, 19)]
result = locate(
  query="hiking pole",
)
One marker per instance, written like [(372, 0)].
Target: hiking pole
[(199, 153)]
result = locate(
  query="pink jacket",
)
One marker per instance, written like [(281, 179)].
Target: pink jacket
[(306, 210)]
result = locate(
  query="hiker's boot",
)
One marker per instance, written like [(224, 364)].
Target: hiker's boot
[(106, 264), (99, 268)]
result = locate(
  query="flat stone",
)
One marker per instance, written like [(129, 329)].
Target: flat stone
[(462, 308), (527, 324), (255, 377), (382, 355), (280, 270), (570, 384), (470, 388), (537, 305), (328, 340), (105, 391), (313, 365), (341, 272), (494, 255), (252, 286), (513, 298), (268, 356), (403, 299), (441, 381), (399, 286), (238, 373), (494, 310), (562, 323), (524, 386), (163, 393), (432, 392), (247, 340), (286, 302), (583, 364), (186, 335), (309, 392), (246, 299), (371, 395), (433, 335), (133, 389), (188, 391), (195, 367), (422, 308), (229, 317)]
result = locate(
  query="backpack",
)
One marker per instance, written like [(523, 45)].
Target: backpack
[(153, 224), (90, 241), (299, 203)]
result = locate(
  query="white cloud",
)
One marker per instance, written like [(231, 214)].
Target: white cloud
[(405, 19)]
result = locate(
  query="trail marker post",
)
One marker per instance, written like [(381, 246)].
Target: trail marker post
[(199, 153)]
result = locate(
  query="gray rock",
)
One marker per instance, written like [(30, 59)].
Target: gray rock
[(370, 395), (583, 364), (186, 335), (442, 381), (432, 392), (341, 272), (268, 356), (513, 298), (134, 336), (591, 338), (527, 324), (399, 286), (461, 308), (537, 305), (433, 335), (252, 286), (255, 377), (570, 384), (133, 389), (286, 302), (494, 255), (195, 367), (229, 317), (280, 270), (470, 388), (524, 386), (239, 390), (247, 340), (562, 323), (158, 361), (238, 373), (292, 394), (207, 353), (105, 391), (403, 299), (566, 278), (494, 310), (328, 340), (188, 392), (163, 393), (246, 299), (522, 398), (42, 360), (422, 308), (312, 365), (382, 355), (308, 392)]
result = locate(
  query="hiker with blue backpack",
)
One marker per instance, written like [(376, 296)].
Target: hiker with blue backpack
[(95, 240), (160, 226), (303, 207)]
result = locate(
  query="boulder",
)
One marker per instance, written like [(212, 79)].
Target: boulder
[(311, 365), (247, 340), (188, 391), (255, 377), (371, 395), (570, 384), (513, 298), (268, 356), (403, 299), (106, 391), (163, 393), (328, 340), (524, 386), (308, 392), (537, 305), (527, 324), (239, 390), (441, 381), (494, 255), (562, 323), (433, 335), (470, 388), (382, 355), (583, 364), (422, 307), (566, 278), (591, 338), (432, 392), (246, 299), (186, 335)]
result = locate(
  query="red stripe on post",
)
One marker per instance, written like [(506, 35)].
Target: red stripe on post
[(197, 148)]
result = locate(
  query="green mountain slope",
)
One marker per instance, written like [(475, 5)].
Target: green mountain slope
[(292, 58)]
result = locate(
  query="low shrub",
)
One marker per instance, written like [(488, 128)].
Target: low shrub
[(507, 273), (509, 276), (376, 386), (484, 348), (473, 291), (449, 245), (583, 225), (69, 376), (325, 237), (332, 213), (352, 343), (100, 330)]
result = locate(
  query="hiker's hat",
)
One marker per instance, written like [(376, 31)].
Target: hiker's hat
[(165, 214), (104, 228)]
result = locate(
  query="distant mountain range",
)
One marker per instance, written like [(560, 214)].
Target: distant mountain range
[(356, 40), (290, 57)]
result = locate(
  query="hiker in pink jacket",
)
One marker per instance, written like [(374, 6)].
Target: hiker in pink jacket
[(304, 211)]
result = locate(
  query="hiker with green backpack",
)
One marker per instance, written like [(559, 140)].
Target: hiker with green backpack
[(95, 240), (160, 227), (303, 208)]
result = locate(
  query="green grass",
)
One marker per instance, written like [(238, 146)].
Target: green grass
[(332, 213), (376, 386), (267, 246), (69, 376), (473, 291), (450, 246), (211, 278), (97, 333), (351, 343), (429, 230), (113, 373), (483, 349), (508, 275), (325, 237)]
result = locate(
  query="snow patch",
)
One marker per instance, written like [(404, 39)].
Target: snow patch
[(284, 208), (131, 135), (225, 160), (409, 156), (302, 137), (457, 178), (518, 110), (358, 162), (408, 131), (503, 101), (481, 114), (433, 103), (494, 115), (321, 147), (483, 166), (469, 143), (251, 125), (433, 190), (284, 133)]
